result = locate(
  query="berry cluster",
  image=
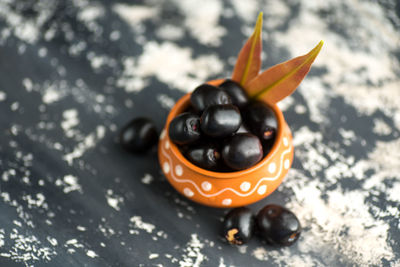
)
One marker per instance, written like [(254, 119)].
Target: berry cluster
[(273, 223), (223, 130)]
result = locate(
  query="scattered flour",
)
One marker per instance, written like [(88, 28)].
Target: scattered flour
[(339, 211), (3, 96), (174, 66), (69, 184), (247, 10), (70, 120), (203, 21), (192, 256), (91, 253), (25, 248), (73, 244), (367, 82), (37, 201), (147, 179), (170, 32), (27, 29), (90, 13), (134, 15), (2, 233), (89, 142), (52, 241), (381, 127), (51, 96), (114, 200), (166, 101), (153, 256), (81, 228), (139, 224)]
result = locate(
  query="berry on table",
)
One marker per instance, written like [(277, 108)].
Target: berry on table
[(278, 225), (138, 135), (184, 128), (238, 226)]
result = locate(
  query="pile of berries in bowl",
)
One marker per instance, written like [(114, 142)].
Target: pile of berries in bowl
[(222, 149), (222, 130)]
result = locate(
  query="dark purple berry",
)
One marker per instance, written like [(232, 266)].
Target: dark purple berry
[(204, 155), (220, 120), (207, 95), (261, 120), (238, 226), (236, 92), (242, 151), (278, 225), (138, 135), (267, 145), (184, 128)]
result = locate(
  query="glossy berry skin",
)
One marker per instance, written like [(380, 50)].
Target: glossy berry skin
[(207, 95), (261, 120), (138, 135), (220, 120), (184, 129), (204, 155), (278, 225), (242, 151), (267, 145), (238, 226), (237, 94)]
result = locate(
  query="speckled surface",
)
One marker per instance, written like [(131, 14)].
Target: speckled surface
[(73, 72)]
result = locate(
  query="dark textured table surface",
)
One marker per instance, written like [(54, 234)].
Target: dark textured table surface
[(73, 72)]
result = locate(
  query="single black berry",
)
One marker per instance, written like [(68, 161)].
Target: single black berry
[(236, 92), (138, 135), (205, 155), (238, 226), (267, 145), (242, 151), (207, 95), (184, 128), (278, 225), (261, 120), (220, 120)]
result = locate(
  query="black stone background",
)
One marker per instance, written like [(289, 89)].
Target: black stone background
[(106, 166)]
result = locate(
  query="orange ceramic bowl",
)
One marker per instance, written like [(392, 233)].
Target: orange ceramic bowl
[(225, 189)]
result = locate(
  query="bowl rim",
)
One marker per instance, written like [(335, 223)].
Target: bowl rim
[(183, 102)]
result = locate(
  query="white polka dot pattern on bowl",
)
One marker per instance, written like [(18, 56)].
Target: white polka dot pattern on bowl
[(188, 192), (178, 170), (272, 167), (162, 135), (206, 186), (166, 167), (285, 141), (286, 164), (227, 202), (262, 189), (245, 186)]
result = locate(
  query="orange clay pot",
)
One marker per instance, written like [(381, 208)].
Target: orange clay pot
[(225, 189)]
